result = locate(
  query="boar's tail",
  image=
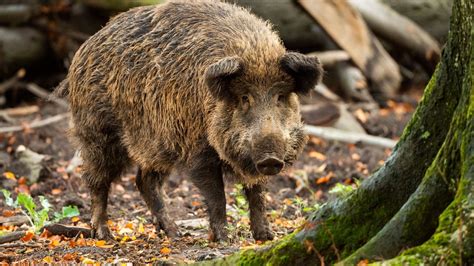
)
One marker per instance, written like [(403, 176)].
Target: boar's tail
[(61, 91)]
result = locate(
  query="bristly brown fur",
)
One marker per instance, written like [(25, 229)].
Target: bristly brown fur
[(161, 87)]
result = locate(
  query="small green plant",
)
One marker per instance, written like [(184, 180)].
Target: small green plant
[(342, 189), (240, 202), (38, 218), (304, 206)]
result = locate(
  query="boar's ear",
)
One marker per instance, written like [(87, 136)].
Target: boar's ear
[(305, 70), (219, 74)]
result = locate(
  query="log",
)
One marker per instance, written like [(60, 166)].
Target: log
[(15, 14), (431, 15), (399, 30), (20, 47), (13, 236), (67, 231), (14, 220), (347, 30)]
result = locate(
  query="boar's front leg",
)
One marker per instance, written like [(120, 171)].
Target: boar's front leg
[(206, 174), (150, 185), (258, 219)]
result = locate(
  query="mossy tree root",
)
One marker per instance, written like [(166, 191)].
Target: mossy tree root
[(392, 203)]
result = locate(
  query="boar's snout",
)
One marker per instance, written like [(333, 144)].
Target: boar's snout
[(270, 166), (269, 153)]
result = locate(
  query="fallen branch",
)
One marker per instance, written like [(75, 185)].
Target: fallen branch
[(42, 93), (35, 124), (349, 137), (8, 83), (67, 231), (16, 13), (13, 236), (330, 58), (20, 244), (14, 220), (20, 111)]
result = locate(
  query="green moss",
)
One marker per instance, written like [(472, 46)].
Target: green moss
[(425, 135)]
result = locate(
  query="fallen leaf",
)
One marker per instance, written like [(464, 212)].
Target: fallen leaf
[(55, 241), (7, 213), (165, 251), (9, 175), (22, 180), (325, 179), (28, 236), (87, 261), (141, 229), (195, 203), (48, 259), (317, 155), (129, 226), (75, 219), (23, 189), (100, 243), (56, 191), (45, 234), (69, 256), (355, 156), (363, 262)]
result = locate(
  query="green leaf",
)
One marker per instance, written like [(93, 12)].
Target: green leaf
[(26, 201), (8, 200), (340, 189), (66, 212), (45, 203), (42, 219), (70, 211)]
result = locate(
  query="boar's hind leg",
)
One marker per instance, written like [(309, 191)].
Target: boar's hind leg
[(258, 219), (206, 174), (104, 161), (150, 185)]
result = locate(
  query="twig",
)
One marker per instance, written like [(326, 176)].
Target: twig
[(349, 137), (67, 231), (42, 93), (20, 111), (19, 244), (36, 124), (7, 84), (13, 236)]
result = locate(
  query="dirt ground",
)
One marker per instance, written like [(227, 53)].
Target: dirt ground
[(290, 197)]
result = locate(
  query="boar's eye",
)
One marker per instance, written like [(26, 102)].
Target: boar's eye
[(281, 97)]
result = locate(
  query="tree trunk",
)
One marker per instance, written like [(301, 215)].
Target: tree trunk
[(404, 203)]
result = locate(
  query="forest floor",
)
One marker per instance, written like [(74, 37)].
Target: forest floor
[(325, 170)]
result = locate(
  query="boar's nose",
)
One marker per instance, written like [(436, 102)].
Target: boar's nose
[(270, 166)]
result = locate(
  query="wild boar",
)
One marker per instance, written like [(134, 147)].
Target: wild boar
[(201, 86)]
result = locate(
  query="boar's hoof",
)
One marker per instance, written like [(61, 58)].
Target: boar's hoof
[(270, 166), (102, 232), (169, 227), (263, 235)]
